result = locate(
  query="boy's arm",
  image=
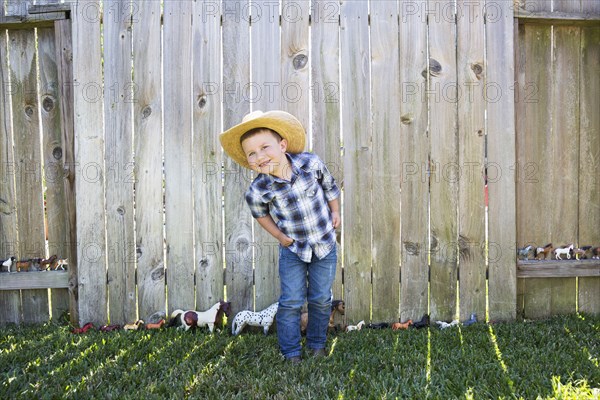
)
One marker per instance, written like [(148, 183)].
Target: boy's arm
[(270, 226), (334, 206)]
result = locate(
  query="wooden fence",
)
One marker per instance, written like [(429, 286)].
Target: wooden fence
[(412, 104)]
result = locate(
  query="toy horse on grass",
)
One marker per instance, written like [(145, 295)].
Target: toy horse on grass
[(264, 318), (192, 319)]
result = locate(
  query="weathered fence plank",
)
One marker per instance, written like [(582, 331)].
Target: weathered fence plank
[(118, 98), (565, 158), (589, 155), (443, 181), (295, 87), (89, 150), (64, 60), (325, 100), (147, 121), (177, 56), (266, 94), (559, 269), (499, 70), (29, 189), (471, 137), (238, 220), (208, 191), (414, 157), (534, 169), (10, 312), (57, 227), (59, 280), (519, 65), (385, 95), (356, 130)]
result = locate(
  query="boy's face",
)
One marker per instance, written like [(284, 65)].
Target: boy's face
[(265, 153)]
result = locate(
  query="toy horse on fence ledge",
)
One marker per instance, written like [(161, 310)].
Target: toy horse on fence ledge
[(263, 318), (192, 319), (564, 250), (8, 263), (542, 251)]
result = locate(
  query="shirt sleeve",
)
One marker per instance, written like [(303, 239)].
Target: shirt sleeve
[(330, 188), (258, 208)]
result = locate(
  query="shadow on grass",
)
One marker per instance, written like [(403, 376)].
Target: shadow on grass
[(555, 358)]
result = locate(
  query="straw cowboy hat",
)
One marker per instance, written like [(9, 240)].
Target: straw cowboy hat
[(285, 124)]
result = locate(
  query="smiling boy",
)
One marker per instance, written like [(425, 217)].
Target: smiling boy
[(294, 197)]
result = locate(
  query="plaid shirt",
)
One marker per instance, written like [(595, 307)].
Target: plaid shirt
[(299, 206)]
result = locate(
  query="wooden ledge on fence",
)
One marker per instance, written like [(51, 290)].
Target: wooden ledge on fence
[(37, 16), (558, 268), (557, 18), (34, 280)]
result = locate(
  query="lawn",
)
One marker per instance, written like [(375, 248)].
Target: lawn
[(556, 358)]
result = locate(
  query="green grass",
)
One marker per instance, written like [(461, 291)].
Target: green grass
[(557, 358)]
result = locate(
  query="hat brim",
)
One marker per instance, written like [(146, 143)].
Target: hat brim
[(284, 123)]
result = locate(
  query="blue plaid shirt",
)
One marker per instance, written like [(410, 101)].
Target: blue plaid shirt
[(300, 206)]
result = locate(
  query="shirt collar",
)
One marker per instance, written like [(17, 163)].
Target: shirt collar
[(297, 163)]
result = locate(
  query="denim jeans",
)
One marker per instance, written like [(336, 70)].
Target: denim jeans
[(302, 282)]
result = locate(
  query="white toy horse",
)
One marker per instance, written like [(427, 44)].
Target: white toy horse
[(8, 262), (566, 250), (191, 319), (446, 325), (356, 327), (264, 318)]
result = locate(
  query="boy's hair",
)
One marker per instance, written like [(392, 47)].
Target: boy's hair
[(256, 131)]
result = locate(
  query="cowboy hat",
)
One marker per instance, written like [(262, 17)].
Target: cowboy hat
[(285, 124)]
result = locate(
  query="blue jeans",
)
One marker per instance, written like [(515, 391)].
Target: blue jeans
[(302, 282)]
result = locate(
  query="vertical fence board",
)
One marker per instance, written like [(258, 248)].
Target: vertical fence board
[(29, 189), (238, 220), (385, 94), (57, 226), (89, 154), (471, 131), (443, 181), (501, 159), (208, 192), (356, 131), (565, 159), (147, 121), (414, 153), (589, 161), (295, 87), (177, 58), (10, 312), (325, 101), (520, 55), (266, 89), (535, 158), (119, 161), (64, 59)]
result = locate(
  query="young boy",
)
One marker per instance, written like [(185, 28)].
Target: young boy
[(297, 189)]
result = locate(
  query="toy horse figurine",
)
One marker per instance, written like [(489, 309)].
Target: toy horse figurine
[(402, 325), (523, 253), (446, 325), (191, 319), (356, 327), (139, 324), (565, 250), (264, 318), (542, 251)]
